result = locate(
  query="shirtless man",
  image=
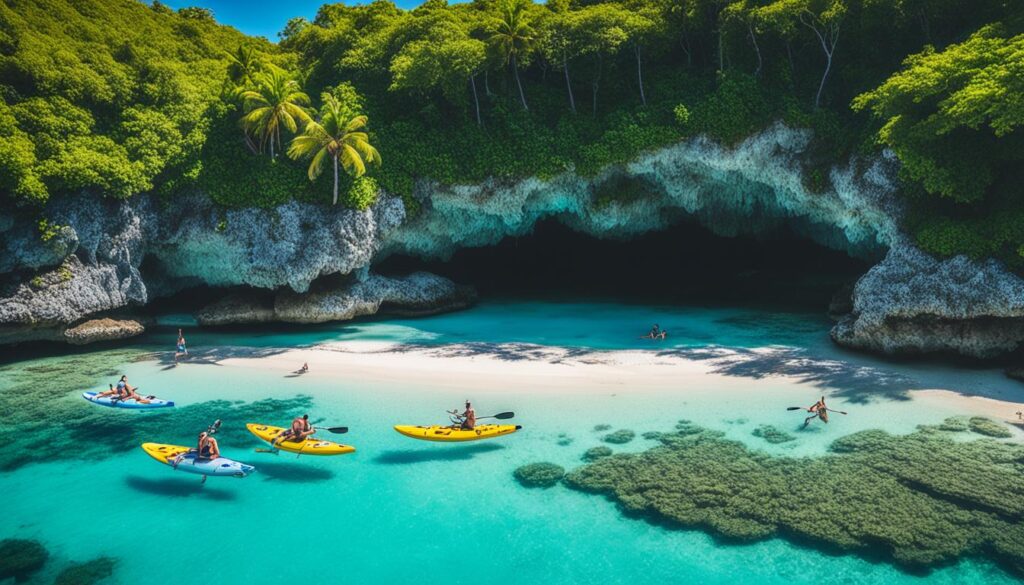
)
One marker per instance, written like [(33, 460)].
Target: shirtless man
[(301, 429), (468, 417)]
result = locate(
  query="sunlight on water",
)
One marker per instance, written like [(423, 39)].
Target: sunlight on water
[(399, 508)]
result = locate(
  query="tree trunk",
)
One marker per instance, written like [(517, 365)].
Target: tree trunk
[(753, 39), (721, 60), (476, 100), (568, 84), (821, 86), (684, 43), (640, 76), (335, 159), (597, 80), (792, 65), (519, 84), (487, 85)]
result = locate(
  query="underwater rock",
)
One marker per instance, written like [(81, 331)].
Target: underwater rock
[(417, 294), (619, 437), (1015, 372), (955, 424), (652, 435), (542, 475), (772, 434), (88, 573), (920, 500), (989, 427), (913, 303), (21, 558), (105, 329), (602, 427), (595, 453)]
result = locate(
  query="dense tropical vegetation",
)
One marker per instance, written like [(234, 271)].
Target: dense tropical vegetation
[(121, 98)]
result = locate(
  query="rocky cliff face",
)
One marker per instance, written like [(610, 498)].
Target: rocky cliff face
[(114, 254)]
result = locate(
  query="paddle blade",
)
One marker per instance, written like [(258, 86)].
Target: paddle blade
[(795, 408), (504, 415), (337, 430)]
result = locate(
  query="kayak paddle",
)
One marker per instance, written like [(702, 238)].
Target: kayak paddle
[(499, 416), (802, 408), (335, 430)]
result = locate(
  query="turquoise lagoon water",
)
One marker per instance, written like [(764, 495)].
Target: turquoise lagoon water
[(401, 509)]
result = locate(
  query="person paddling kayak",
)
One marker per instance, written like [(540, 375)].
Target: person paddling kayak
[(819, 410), (208, 447), (467, 419), (300, 430), (656, 332)]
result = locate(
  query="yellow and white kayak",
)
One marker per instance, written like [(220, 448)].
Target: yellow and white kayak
[(449, 434), (308, 446), (184, 459)]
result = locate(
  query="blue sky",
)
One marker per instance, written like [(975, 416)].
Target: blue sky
[(263, 17)]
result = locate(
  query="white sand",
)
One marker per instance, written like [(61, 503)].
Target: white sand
[(532, 368)]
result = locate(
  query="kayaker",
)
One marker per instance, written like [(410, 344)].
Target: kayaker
[(656, 332), (468, 417), (208, 447), (125, 391), (817, 410), (110, 392), (180, 349), (301, 429)]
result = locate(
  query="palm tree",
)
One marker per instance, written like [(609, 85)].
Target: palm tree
[(512, 36), (336, 136), (275, 101), (243, 65)]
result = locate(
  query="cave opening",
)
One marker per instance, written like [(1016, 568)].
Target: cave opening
[(686, 263)]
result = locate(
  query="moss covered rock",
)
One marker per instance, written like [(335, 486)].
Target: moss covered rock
[(19, 558), (921, 500), (989, 427), (772, 434), (595, 453), (542, 475), (619, 437), (88, 573)]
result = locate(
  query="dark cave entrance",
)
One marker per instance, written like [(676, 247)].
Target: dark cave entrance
[(686, 263)]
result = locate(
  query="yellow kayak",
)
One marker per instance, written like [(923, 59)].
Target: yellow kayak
[(308, 446), (449, 434)]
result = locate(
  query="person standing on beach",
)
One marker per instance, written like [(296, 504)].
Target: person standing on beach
[(180, 349)]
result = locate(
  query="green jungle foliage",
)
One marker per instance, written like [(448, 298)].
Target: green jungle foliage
[(921, 500), (120, 98)]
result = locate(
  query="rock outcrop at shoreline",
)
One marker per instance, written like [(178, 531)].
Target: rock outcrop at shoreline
[(913, 303), (418, 294), (103, 255)]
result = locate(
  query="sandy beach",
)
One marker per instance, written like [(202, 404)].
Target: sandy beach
[(538, 369)]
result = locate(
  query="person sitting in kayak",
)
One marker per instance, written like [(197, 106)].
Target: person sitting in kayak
[(208, 447), (301, 429), (180, 349), (817, 410), (125, 391), (656, 332), (468, 417), (110, 392)]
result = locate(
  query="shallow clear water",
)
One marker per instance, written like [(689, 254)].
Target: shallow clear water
[(399, 508)]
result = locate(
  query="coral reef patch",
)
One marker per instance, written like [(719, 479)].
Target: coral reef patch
[(595, 453), (619, 437), (920, 500), (539, 475), (20, 558), (87, 573), (772, 434)]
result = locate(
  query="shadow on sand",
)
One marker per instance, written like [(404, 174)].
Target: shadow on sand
[(441, 453), (178, 488), (291, 472)]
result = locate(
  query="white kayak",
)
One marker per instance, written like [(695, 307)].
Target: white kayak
[(132, 404), (184, 459)]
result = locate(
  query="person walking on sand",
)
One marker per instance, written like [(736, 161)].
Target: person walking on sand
[(180, 349)]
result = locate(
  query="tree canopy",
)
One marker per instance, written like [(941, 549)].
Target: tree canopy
[(120, 98)]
